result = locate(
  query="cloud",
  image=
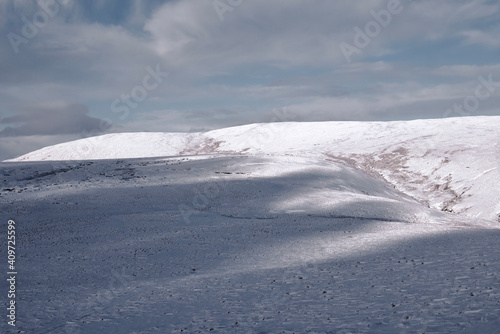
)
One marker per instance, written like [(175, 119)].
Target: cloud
[(50, 119), (296, 33), (467, 71), (402, 101), (282, 33), (262, 55), (13, 147), (171, 120), (489, 39)]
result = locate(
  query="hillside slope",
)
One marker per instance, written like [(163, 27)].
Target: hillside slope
[(449, 164), (266, 228), (227, 243)]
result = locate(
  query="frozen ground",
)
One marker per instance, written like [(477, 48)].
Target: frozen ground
[(295, 234)]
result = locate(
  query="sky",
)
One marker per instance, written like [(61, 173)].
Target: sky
[(71, 69)]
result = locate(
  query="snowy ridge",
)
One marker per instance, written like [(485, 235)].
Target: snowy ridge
[(265, 228), (450, 164)]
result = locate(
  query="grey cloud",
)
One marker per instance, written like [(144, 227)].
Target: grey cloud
[(78, 59), (50, 120), (194, 119), (387, 106), (12, 147), (288, 33)]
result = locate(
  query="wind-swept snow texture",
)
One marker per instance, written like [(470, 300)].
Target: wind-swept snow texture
[(269, 228)]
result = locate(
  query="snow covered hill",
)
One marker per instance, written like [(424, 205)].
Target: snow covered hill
[(331, 227), (233, 243), (449, 164)]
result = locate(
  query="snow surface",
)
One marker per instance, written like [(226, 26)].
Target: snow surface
[(268, 228), (450, 164)]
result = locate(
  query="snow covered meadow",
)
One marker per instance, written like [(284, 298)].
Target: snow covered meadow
[(329, 227)]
